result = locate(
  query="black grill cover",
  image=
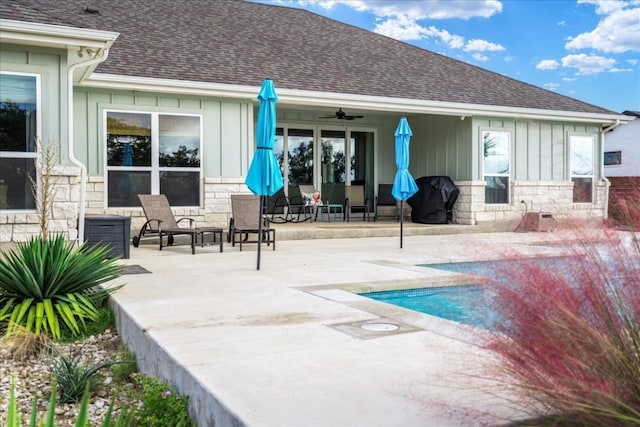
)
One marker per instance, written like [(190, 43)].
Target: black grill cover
[(433, 203)]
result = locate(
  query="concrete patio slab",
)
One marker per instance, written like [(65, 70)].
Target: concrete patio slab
[(261, 348)]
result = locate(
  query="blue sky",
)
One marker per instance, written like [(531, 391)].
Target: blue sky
[(585, 49)]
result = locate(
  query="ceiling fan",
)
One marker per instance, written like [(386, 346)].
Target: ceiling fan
[(341, 115)]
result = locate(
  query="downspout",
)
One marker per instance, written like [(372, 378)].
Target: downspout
[(83, 169), (607, 183)]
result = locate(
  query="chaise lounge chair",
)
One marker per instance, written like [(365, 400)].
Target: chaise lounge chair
[(161, 221), (246, 211)]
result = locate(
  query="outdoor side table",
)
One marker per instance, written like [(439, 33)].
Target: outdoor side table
[(336, 208), (215, 231), (329, 209)]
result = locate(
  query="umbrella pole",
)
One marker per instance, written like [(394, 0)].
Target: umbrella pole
[(260, 219), (401, 221)]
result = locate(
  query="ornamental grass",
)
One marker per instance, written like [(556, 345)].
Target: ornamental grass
[(569, 339)]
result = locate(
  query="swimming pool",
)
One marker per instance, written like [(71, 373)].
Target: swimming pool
[(465, 303), (471, 304)]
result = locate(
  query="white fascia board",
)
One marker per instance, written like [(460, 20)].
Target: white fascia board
[(31, 33), (295, 97)]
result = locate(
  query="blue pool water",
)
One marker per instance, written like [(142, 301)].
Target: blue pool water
[(471, 304), (466, 304)]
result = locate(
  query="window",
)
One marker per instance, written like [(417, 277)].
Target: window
[(497, 166), (581, 164), (612, 158), (152, 153), (19, 107)]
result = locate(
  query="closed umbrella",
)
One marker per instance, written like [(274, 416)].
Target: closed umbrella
[(264, 177), (404, 186)]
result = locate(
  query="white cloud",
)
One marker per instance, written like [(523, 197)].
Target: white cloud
[(547, 64), (588, 64), (569, 79), (552, 86), (618, 31), (477, 45), (620, 70), (480, 57), (562, 23), (632, 61), (416, 9)]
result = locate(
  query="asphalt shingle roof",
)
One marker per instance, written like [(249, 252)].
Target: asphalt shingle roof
[(237, 42)]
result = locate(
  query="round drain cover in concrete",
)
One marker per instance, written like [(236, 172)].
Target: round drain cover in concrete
[(379, 327)]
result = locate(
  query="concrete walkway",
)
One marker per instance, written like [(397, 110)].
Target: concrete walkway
[(284, 346)]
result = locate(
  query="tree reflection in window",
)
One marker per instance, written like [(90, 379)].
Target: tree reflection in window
[(300, 162), (132, 129)]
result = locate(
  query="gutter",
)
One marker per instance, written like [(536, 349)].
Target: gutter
[(607, 183), (98, 58)]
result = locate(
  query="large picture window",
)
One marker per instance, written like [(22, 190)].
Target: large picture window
[(19, 103), (581, 160), (496, 166), (153, 153)]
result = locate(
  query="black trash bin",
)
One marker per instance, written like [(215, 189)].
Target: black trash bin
[(433, 203)]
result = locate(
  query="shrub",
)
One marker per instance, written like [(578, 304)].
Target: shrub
[(161, 405), (48, 283), (75, 376), (24, 344), (570, 338)]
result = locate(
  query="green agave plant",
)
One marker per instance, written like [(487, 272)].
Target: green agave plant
[(13, 417), (48, 283)]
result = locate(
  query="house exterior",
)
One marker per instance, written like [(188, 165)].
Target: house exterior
[(622, 149), (160, 97), (622, 169)]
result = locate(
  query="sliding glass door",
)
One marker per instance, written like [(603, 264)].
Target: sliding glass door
[(318, 156)]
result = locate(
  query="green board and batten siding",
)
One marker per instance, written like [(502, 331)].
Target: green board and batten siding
[(227, 127)]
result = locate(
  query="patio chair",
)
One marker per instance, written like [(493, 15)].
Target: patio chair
[(385, 198), (356, 202), (161, 221), (246, 214)]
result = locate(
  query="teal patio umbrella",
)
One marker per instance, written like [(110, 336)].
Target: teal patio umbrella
[(264, 177), (404, 186)]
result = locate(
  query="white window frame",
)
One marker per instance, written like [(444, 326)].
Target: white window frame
[(591, 137), (155, 167), (28, 154), (508, 175)]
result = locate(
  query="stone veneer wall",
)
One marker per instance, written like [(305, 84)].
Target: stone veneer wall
[(21, 226), (548, 196), (18, 226), (215, 213), (541, 196)]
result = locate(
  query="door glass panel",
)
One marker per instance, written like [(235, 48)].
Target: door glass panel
[(361, 161), (300, 153), (333, 165)]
